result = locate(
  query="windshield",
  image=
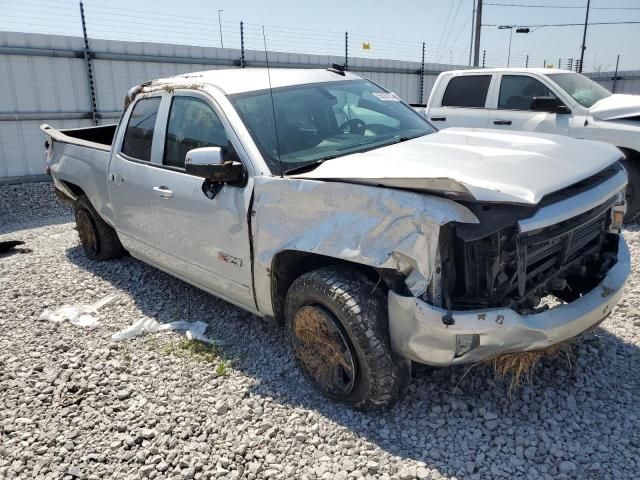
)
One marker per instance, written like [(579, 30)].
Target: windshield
[(319, 121), (583, 90)]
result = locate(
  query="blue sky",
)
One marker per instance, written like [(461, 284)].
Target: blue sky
[(393, 29)]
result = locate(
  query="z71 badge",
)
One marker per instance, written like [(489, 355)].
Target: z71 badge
[(224, 257)]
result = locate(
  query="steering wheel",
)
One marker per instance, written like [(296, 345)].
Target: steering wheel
[(355, 125)]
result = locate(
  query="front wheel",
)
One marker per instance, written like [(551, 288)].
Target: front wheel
[(338, 325), (632, 166)]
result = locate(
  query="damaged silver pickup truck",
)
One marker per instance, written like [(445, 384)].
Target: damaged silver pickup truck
[(320, 199)]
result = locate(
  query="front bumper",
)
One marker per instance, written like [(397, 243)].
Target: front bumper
[(417, 331)]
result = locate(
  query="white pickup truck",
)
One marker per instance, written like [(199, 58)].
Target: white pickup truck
[(319, 198), (541, 100)]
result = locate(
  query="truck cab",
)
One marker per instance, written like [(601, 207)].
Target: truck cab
[(543, 100)]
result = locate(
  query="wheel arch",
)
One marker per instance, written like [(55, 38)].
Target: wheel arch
[(630, 152), (287, 265), (72, 190)]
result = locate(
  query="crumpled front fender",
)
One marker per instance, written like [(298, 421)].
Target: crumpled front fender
[(375, 226)]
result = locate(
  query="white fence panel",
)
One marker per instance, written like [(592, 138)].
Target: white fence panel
[(43, 78)]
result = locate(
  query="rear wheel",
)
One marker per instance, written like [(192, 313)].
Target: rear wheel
[(99, 240), (337, 322)]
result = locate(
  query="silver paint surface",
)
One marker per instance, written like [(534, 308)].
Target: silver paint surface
[(379, 227)]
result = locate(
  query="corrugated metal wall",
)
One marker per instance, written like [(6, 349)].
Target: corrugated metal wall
[(43, 78), (627, 81)]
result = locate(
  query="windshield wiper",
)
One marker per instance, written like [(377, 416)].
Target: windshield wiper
[(307, 167)]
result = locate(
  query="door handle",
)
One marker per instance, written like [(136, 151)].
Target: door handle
[(115, 179), (164, 192), (502, 122), (438, 119)]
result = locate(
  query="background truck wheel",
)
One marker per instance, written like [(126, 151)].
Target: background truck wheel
[(337, 321), (632, 166), (99, 240)]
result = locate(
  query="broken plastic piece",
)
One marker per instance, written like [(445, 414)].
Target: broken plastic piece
[(194, 330), (81, 315)]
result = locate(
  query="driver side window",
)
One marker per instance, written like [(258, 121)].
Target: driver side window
[(192, 124), (517, 92)]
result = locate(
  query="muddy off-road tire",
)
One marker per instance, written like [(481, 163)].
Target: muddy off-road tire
[(632, 166), (337, 322), (99, 241)]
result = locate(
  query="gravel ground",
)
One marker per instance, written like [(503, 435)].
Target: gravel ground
[(74, 404)]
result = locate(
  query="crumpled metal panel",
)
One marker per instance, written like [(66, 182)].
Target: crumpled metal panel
[(379, 227), (418, 333)]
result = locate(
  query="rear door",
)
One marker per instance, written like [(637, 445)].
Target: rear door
[(512, 110), (204, 241), (128, 178), (462, 102)]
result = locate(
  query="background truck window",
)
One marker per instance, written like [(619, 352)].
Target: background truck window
[(467, 91), (517, 91), (192, 124), (139, 133)]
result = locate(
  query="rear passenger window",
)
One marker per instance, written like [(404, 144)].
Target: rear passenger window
[(192, 124), (467, 91), (517, 91), (139, 133)]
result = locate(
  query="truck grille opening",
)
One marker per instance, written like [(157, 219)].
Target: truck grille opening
[(508, 268)]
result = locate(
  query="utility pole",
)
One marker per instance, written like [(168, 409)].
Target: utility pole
[(584, 36), (473, 23), (421, 94), (615, 75), (509, 54), (478, 32), (89, 64), (346, 50), (220, 28)]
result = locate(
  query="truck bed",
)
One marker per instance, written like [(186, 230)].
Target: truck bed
[(100, 137), (78, 160)]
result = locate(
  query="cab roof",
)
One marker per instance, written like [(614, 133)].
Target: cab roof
[(240, 80), (541, 71)]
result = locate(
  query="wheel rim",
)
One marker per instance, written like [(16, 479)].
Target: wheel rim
[(323, 350), (87, 233)]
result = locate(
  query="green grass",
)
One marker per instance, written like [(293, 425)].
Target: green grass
[(193, 350)]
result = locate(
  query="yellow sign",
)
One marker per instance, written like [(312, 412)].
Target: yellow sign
[(366, 46)]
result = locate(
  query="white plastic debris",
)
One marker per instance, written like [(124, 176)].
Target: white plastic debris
[(81, 315), (194, 330)]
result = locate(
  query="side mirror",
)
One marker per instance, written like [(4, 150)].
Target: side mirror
[(548, 104), (214, 164), (217, 166)]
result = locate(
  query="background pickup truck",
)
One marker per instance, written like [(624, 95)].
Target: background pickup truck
[(321, 199), (541, 100)]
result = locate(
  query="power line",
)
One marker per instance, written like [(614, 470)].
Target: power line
[(453, 22), (559, 6), (444, 27), (564, 24)]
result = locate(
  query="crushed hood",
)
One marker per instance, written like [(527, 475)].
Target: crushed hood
[(616, 107), (477, 164)]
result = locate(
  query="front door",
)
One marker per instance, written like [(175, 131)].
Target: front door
[(205, 241), (513, 107)]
